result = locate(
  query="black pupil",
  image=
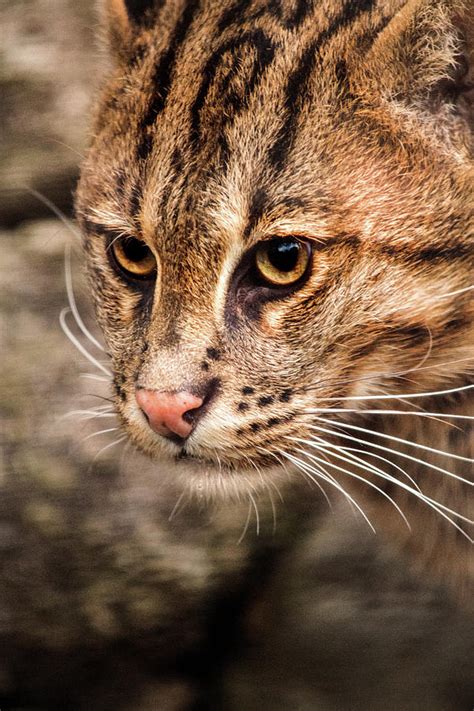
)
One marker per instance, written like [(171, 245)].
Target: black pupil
[(283, 254), (135, 250)]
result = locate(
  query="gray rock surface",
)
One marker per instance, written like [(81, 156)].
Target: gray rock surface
[(48, 60), (110, 599)]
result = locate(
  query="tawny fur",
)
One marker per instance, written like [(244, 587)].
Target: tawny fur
[(221, 124)]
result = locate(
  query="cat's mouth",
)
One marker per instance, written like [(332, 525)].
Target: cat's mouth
[(214, 481), (205, 465)]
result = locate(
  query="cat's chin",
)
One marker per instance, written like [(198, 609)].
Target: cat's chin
[(209, 481)]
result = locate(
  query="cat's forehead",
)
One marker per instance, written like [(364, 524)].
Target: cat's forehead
[(232, 122), (217, 125)]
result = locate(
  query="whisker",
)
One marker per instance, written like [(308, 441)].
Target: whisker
[(455, 293), (408, 442), (376, 456), (304, 466), (272, 504), (101, 397), (282, 464), (257, 517), (92, 376), (126, 450), (78, 344), (433, 503), (256, 467), (354, 476), (176, 506), (391, 451), (246, 525), (298, 463), (72, 299), (390, 412), (88, 414), (109, 446), (55, 210), (96, 434), (66, 145), (275, 487), (405, 395), (383, 374)]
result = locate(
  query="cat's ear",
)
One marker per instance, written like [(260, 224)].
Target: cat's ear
[(123, 19), (423, 60)]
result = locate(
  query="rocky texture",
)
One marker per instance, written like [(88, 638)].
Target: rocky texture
[(110, 599), (48, 60)]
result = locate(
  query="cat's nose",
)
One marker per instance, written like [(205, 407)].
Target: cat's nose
[(169, 413)]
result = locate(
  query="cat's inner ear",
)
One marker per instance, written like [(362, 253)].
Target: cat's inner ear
[(123, 18), (424, 58)]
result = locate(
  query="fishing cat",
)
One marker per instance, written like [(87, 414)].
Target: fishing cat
[(277, 218)]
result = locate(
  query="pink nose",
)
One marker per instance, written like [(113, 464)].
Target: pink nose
[(165, 411)]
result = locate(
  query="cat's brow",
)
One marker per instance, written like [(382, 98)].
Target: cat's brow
[(110, 221), (311, 229)]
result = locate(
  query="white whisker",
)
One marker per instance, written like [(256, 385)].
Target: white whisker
[(246, 525), (436, 505), (275, 487), (272, 504), (384, 374), (78, 344), (317, 410), (376, 456), (56, 211), (282, 464), (96, 434), (176, 506), (108, 446), (408, 442), (91, 376), (351, 474), (88, 414), (72, 300), (391, 451), (407, 396), (455, 293), (257, 517), (304, 467)]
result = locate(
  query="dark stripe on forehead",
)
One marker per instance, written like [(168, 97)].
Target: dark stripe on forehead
[(291, 20), (161, 80), (143, 12), (258, 205), (232, 14), (295, 89), (258, 41), (297, 83)]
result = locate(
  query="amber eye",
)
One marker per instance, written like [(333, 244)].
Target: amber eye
[(133, 257), (281, 262)]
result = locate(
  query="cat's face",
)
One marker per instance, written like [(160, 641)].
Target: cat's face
[(269, 233)]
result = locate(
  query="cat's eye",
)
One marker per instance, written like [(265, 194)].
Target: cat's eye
[(133, 257), (282, 261)]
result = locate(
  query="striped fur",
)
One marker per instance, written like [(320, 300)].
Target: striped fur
[(344, 122)]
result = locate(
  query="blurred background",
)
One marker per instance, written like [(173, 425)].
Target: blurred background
[(112, 594)]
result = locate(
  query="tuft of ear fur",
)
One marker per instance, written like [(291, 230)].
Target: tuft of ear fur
[(423, 60), (123, 19)]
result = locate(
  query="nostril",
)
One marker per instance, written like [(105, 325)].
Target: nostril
[(209, 392), (191, 416)]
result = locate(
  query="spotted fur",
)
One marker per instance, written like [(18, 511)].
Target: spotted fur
[(345, 123)]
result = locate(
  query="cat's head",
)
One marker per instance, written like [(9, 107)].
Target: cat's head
[(276, 210)]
